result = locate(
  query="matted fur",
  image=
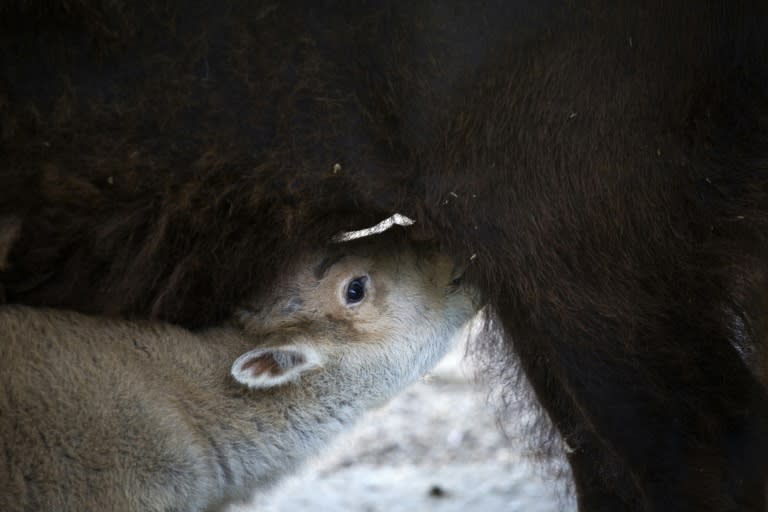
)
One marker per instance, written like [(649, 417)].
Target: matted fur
[(604, 163)]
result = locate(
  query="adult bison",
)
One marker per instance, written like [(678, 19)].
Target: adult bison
[(605, 163)]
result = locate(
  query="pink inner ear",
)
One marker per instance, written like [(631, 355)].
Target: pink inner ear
[(265, 363)]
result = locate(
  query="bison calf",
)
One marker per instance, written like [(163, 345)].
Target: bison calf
[(104, 414)]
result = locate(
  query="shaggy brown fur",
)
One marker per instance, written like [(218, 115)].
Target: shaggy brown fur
[(605, 163)]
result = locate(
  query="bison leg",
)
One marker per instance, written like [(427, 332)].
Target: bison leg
[(652, 431)]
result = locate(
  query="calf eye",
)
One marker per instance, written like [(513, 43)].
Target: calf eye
[(356, 290)]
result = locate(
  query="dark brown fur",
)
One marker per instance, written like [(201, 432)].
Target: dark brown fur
[(604, 163)]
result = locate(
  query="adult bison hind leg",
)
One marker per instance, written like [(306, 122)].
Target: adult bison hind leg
[(663, 414), (553, 434)]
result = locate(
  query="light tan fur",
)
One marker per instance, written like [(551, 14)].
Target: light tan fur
[(99, 414)]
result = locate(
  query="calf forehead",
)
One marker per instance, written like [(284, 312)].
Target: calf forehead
[(312, 286), (321, 269)]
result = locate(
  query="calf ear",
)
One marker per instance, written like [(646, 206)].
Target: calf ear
[(263, 368)]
